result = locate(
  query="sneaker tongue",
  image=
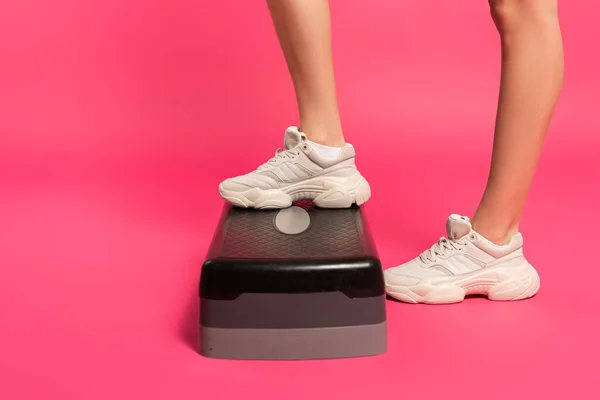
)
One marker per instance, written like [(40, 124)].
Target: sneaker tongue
[(293, 137), (457, 226)]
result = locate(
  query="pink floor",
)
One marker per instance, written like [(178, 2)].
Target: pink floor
[(119, 118), (99, 292)]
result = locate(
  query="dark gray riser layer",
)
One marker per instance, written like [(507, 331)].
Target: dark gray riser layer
[(292, 310)]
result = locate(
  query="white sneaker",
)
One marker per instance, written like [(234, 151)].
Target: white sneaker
[(299, 172), (464, 263)]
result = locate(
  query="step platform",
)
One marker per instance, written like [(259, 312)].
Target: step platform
[(297, 283)]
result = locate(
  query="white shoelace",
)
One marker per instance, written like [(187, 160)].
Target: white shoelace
[(439, 248), (281, 153)]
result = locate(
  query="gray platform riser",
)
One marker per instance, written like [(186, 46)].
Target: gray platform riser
[(290, 311), (293, 344)]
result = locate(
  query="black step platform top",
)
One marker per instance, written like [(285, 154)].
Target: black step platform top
[(301, 249)]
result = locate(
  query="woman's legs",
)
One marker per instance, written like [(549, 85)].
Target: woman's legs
[(532, 69), (531, 80), (304, 31)]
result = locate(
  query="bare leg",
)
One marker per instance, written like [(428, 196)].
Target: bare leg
[(531, 81), (304, 31)]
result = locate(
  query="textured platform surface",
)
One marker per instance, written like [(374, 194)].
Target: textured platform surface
[(291, 284), (252, 234)]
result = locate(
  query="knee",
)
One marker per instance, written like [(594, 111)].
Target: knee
[(509, 14)]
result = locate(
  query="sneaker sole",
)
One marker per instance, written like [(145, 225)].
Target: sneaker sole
[(323, 191), (497, 283)]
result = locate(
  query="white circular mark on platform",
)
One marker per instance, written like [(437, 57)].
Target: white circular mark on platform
[(292, 221)]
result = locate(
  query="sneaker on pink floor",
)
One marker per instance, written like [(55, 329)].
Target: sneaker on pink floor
[(462, 264)]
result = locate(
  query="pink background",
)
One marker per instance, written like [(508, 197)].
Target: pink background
[(119, 118)]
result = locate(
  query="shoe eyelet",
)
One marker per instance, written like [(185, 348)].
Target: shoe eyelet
[(472, 237)]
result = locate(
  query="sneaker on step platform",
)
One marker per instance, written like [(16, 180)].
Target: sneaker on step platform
[(464, 263), (302, 170)]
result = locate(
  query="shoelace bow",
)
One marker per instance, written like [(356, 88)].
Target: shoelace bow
[(439, 248)]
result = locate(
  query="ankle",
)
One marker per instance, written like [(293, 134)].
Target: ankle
[(327, 142), (325, 139), (499, 233), (324, 134)]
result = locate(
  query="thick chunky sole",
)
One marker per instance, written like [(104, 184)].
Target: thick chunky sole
[(497, 283), (324, 191)]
